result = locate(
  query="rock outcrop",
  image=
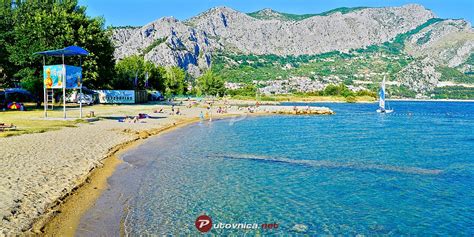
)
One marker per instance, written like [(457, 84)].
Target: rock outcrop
[(318, 34), (448, 42)]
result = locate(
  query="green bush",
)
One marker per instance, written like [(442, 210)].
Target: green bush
[(153, 45), (452, 74), (351, 99), (366, 93), (453, 92), (135, 66), (175, 83), (211, 84), (247, 90)]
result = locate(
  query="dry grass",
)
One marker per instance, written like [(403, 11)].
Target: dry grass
[(33, 121)]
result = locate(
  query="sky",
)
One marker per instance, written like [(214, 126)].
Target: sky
[(141, 12)]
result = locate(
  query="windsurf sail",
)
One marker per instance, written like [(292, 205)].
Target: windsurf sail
[(382, 95)]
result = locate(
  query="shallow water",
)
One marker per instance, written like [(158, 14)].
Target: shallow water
[(357, 172)]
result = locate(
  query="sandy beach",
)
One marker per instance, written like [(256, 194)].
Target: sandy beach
[(41, 169)]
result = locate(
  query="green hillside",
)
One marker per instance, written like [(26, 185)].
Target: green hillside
[(297, 17), (365, 67)]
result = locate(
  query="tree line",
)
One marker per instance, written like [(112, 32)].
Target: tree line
[(27, 27), (31, 26)]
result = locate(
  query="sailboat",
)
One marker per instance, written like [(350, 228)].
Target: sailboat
[(382, 100)]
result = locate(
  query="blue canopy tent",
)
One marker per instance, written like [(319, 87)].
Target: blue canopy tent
[(62, 76), (66, 52)]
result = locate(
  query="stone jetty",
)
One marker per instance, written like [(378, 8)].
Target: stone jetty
[(296, 110)]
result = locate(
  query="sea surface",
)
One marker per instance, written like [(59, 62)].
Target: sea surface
[(357, 172)]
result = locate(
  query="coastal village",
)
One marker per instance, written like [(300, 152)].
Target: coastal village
[(293, 85)]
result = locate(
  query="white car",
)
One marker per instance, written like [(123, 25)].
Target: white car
[(156, 96), (85, 99), (76, 97)]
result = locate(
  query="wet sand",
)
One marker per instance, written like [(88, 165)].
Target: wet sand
[(65, 217)]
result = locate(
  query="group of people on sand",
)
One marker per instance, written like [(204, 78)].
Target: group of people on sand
[(177, 111), (174, 111), (250, 109), (222, 110), (160, 111), (132, 119)]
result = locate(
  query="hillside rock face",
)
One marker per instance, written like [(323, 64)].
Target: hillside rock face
[(190, 44), (449, 42), (314, 35), (181, 45), (420, 76)]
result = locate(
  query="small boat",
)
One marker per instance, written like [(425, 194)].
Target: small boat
[(382, 100)]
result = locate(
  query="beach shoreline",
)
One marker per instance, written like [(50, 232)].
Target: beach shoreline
[(54, 185), (431, 100), (64, 216)]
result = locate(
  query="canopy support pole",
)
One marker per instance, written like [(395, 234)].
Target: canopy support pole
[(45, 96), (80, 91), (64, 87), (80, 103)]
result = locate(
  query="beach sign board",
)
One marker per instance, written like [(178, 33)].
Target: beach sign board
[(62, 76), (116, 96), (53, 76), (73, 77)]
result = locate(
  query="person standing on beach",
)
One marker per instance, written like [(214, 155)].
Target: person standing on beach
[(201, 115)]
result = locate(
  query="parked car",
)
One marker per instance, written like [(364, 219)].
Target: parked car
[(85, 99), (2, 100), (155, 96), (76, 97)]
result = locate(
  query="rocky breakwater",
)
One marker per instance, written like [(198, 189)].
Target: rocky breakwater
[(296, 110)]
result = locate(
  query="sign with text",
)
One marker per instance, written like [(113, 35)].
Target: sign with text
[(116, 96)]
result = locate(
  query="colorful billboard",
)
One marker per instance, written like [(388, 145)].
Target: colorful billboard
[(54, 76), (73, 77), (116, 96)]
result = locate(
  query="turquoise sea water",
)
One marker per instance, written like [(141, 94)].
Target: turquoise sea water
[(357, 172)]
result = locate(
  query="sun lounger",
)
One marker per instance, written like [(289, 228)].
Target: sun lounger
[(4, 127)]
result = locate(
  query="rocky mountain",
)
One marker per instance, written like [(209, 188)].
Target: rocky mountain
[(448, 42), (193, 44)]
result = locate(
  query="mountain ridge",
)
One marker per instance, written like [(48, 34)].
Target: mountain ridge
[(268, 13), (192, 44)]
